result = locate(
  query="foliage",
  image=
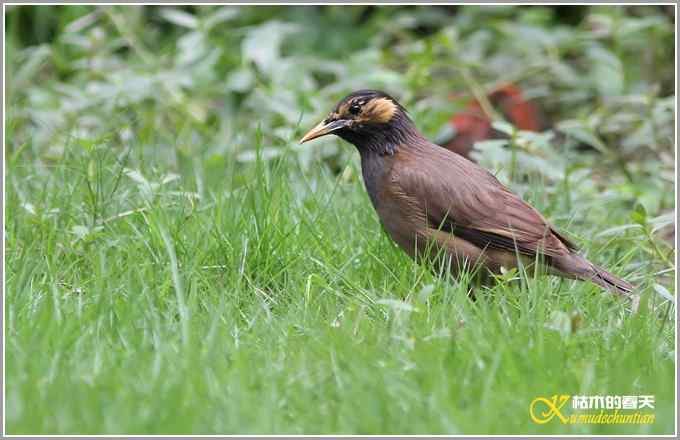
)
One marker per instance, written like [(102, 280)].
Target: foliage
[(177, 263)]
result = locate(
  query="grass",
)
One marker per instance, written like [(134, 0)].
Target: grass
[(261, 308), (170, 273)]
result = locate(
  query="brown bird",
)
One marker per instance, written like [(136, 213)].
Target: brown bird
[(433, 201)]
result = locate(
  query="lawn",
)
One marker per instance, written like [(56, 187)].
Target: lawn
[(176, 263)]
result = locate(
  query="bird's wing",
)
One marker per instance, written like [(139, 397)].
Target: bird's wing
[(464, 199)]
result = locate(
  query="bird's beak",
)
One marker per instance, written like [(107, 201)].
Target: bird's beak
[(323, 128)]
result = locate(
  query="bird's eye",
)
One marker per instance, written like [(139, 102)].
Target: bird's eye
[(355, 109)]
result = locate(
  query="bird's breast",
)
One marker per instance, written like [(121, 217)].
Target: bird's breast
[(374, 168), (397, 219)]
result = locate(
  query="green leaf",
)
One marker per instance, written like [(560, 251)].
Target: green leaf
[(262, 44), (664, 293), (583, 133), (639, 215), (179, 17), (221, 15), (606, 71)]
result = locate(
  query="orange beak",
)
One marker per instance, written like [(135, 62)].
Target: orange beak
[(323, 128)]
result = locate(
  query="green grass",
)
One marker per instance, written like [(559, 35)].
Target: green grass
[(178, 265), (260, 308)]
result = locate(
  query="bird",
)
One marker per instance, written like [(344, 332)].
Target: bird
[(434, 202), (473, 124)]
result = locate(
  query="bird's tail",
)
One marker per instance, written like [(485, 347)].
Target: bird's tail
[(610, 282), (575, 266)]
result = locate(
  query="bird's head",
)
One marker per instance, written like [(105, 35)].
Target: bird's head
[(369, 119)]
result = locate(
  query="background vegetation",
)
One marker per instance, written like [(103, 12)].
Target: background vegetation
[(177, 263)]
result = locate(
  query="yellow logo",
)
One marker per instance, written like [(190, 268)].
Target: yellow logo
[(611, 409), (549, 408)]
